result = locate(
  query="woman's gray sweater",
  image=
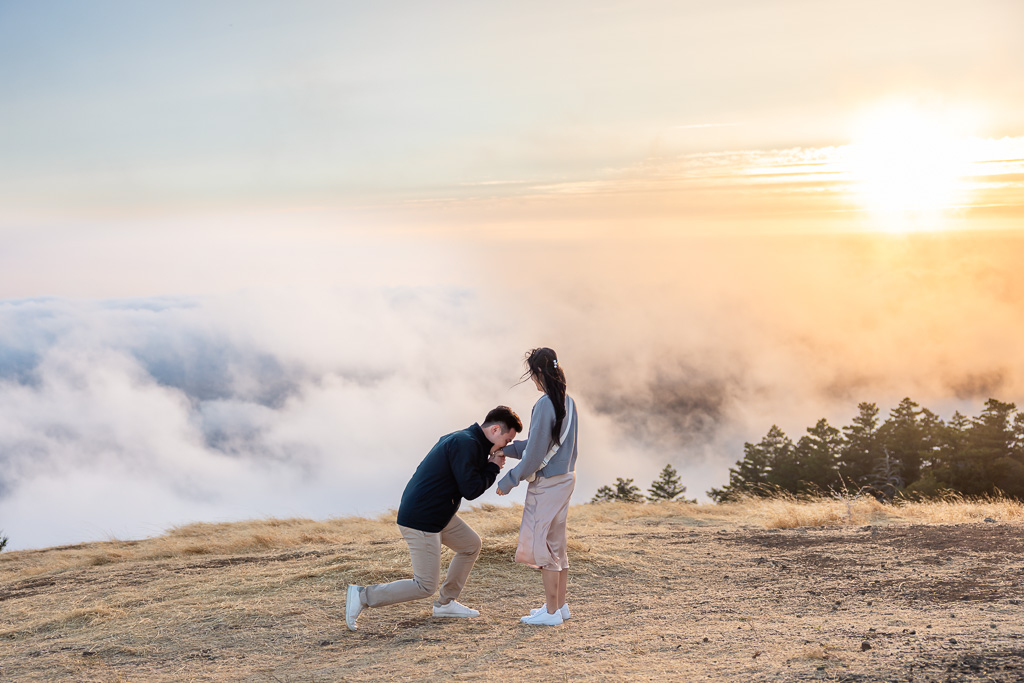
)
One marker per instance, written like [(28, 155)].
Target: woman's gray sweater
[(532, 450)]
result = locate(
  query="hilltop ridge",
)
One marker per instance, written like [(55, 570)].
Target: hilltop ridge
[(758, 590)]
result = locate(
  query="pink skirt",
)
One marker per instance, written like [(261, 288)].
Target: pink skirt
[(542, 541)]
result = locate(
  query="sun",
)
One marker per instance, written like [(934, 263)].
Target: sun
[(908, 168)]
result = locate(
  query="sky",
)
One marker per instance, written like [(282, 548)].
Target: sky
[(258, 256)]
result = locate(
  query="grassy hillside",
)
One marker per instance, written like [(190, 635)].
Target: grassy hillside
[(773, 590)]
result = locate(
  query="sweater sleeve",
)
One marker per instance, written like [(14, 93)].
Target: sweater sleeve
[(471, 479), (515, 449), (538, 442)]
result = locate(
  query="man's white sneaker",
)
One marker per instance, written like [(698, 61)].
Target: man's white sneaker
[(353, 605), (542, 618), (454, 609), (563, 610)]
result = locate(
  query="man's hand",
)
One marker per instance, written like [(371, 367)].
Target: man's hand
[(501, 493), (498, 459)]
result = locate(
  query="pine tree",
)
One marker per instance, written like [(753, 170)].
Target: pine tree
[(933, 432), (1018, 437), (990, 439), (627, 492), (817, 455), (667, 486), (861, 450), (948, 458), (3, 541), (765, 466), (912, 453), (624, 491), (904, 439)]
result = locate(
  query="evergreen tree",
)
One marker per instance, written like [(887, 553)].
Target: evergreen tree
[(624, 491), (784, 470), (1008, 472), (667, 486), (1018, 437), (1007, 476), (989, 438), (755, 474), (861, 450), (948, 459), (817, 456), (939, 468), (912, 452), (992, 432), (904, 441), (933, 431), (3, 541)]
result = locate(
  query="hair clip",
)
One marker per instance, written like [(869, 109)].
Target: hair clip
[(555, 363)]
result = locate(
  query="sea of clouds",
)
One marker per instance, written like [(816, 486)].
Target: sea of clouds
[(120, 418)]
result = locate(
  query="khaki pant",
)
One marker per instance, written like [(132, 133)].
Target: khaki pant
[(425, 549)]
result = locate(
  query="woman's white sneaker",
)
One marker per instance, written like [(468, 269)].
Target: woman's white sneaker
[(542, 618), (454, 609), (353, 605), (563, 610)]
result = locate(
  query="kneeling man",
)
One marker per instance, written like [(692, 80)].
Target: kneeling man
[(461, 465)]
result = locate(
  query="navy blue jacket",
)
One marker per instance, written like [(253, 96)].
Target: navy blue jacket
[(455, 468)]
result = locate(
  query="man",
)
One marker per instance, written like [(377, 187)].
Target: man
[(462, 464)]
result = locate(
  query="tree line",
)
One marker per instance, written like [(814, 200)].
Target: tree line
[(912, 452), (668, 486)]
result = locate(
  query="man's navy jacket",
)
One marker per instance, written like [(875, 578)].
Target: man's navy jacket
[(455, 468)]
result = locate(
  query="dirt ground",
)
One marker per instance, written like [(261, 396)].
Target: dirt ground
[(654, 597)]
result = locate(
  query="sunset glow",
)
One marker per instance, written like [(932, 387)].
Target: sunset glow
[(908, 168)]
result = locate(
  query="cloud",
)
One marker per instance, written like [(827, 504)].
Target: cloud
[(125, 416), (229, 406)]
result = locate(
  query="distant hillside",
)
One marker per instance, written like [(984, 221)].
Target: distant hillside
[(757, 590)]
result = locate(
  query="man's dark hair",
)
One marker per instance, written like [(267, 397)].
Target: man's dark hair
[(505, 416)]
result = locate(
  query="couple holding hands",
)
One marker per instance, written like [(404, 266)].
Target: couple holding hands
[(466, 463)]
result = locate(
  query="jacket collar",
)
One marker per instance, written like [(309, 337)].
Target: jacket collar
[(478, 433)]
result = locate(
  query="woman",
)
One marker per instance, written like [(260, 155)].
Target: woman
[(548, 463)]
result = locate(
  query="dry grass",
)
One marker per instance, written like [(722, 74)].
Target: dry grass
[(780, 589), (791, 512)]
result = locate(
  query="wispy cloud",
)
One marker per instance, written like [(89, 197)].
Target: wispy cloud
[(821, 181)]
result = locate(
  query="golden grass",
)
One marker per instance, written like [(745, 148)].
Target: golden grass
[(789, 512), (955, 509), (499, 528)]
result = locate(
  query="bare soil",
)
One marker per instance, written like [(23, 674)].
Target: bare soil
[(662, 595)]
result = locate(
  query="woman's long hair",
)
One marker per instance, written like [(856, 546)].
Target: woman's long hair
[(543, 363)]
